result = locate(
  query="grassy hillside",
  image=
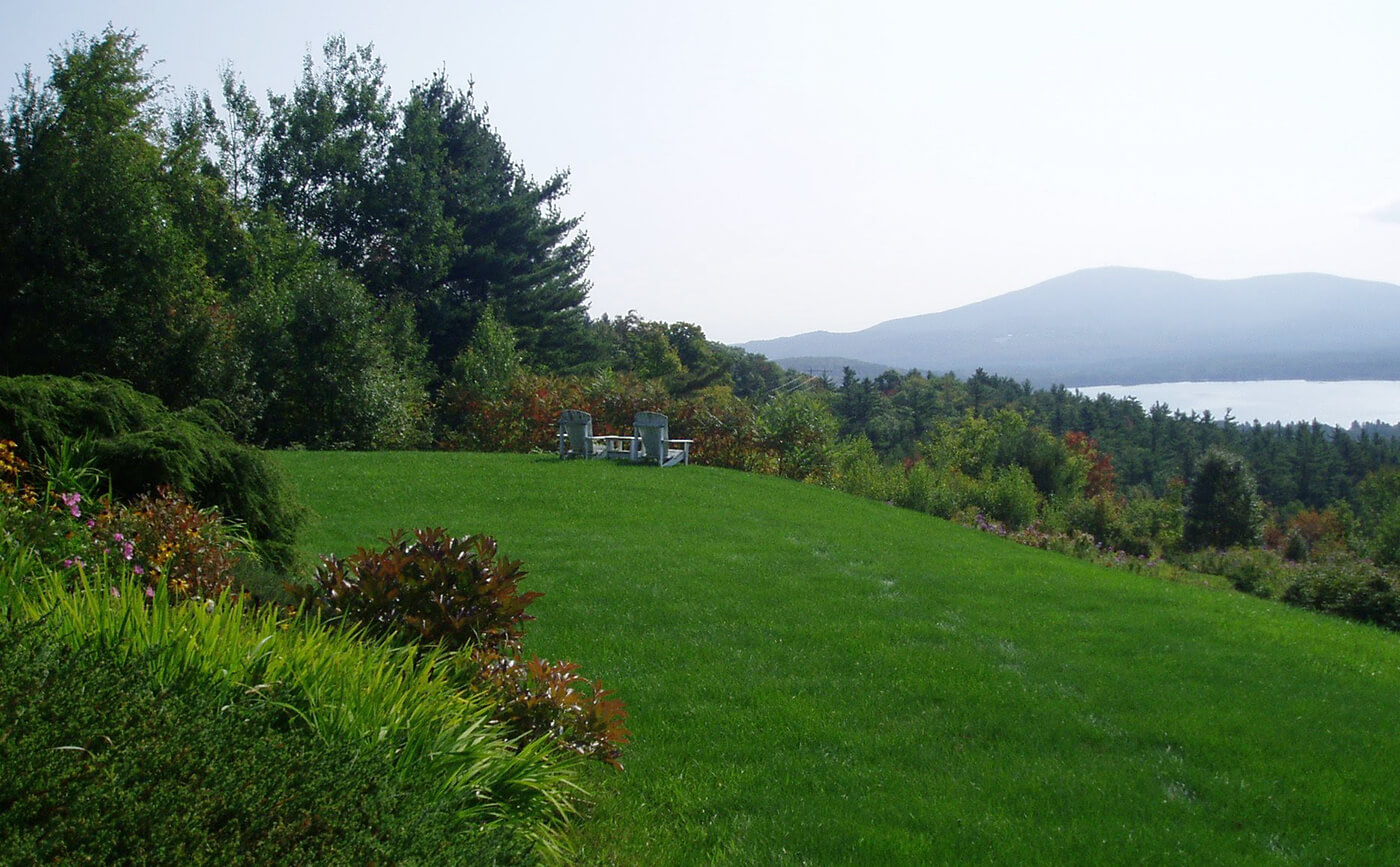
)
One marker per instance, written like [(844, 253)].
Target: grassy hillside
[(819, 679)]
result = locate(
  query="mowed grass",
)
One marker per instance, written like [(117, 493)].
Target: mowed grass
[(814, 678)]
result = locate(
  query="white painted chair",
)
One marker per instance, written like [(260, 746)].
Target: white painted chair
[(576, 439), (650, 441)]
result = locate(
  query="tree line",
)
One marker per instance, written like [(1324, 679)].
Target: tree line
[(1309, 476), (316, 262)]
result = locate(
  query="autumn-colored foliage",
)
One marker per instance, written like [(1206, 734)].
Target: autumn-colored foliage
[(460, 593), (537, 697), (429, 586), (1099, 480), (167, 539)]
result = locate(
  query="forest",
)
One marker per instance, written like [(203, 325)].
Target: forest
[(331, 268)]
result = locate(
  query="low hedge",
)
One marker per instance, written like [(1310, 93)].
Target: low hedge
[(99, 764)]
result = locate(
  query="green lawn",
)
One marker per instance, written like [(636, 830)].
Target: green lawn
[(815, 678)]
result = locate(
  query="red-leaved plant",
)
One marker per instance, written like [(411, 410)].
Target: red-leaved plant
[(430, 587), (460, 593), (168, 539), (537, 697)]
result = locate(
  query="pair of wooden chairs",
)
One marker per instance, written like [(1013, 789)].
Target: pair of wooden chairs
[(649, 442)]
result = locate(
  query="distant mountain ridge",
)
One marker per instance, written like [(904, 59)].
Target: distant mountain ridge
[(1129, 326)]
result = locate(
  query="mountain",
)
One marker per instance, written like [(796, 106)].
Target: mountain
[(1129, 326)]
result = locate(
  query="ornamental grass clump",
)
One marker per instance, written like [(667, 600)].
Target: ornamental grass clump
[(398, 705)]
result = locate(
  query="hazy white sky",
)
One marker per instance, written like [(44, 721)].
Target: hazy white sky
[(764, 169)]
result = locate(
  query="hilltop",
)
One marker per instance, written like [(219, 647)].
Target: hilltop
[(1129, 325), (816, 678)]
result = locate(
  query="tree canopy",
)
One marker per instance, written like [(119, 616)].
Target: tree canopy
[(103, 253), (315, 261)]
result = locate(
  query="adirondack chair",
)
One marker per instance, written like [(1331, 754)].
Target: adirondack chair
[(650, 442), (576, 439)]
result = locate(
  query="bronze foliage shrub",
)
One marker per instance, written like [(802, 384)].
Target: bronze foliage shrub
[(460, 593)]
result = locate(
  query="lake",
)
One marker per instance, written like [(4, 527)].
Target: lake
[(1331, 403)]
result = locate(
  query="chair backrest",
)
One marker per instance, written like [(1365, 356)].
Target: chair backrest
[(652, 430), (577, 426)]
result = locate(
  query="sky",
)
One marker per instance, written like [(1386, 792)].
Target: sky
[(764, 169)]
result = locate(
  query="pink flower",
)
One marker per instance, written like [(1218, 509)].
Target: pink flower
[(71, 501), (127, 550), (117, 537), (139, 571), (150, 591), (116, 594)]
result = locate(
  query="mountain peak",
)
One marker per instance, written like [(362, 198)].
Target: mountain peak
[(1108, 323)]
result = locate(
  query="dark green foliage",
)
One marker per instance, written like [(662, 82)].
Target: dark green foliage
[(140, 446), (423, 202), (103, 266), (1378, 509), (325, 368), (1222, 507), (463, 227), (1349, 588), (100, 765), (429, 587), (1150, 447), (325, 148), (753, 375), (1385, 537), (677, 354)]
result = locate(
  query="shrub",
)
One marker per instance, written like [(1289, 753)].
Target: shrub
[(326, 368), (139, 445), (1249, 570), (162, 538), (538, 698), (1012, 498), (101, 764), (801, 431), (1149, 525), (1385, 537), (726, 431), (1347, 587), (937, 491), (1100, 517), (432, 587), (857, 470), (461, 595)]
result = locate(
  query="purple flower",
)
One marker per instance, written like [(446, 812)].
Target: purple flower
[(139, 571), (71, 501), (127, 549), (150, 591)]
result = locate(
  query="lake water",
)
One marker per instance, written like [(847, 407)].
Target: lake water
[(1331, 403)]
